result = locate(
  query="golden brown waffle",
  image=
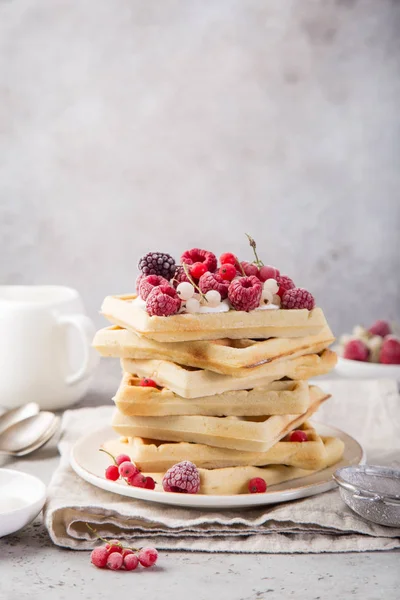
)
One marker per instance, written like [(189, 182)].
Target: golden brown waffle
[(152, 455), (226, 356), (121, 310), (252, 434), (277, 398), (190, 382)]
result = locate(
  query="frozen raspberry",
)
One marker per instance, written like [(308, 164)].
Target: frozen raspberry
[(257, 485), (298, 298), (182, 477), (250, 269), (180, 276), (137, 283), (285, 284), (356, 350), (213, 281), (298, 436), (157, 263), (131, 561), (99, 557), (228, 272), (122, 458), (112, 473), (244, 293), (128, 470), (268, 272), (381, 328), (390, 351), (145, 382), (198, 269), (203, 256), (228, 259), (148, 557), (148, 284), (163, 301), (114, 561)]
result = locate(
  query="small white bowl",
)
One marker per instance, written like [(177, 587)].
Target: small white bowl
[(356, 369), (22, 497)]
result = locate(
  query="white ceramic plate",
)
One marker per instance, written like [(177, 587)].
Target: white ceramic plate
[(356, 369), (90, 464), (22, 498)]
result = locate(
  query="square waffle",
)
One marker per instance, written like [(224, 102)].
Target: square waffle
[(190, 382), (122, 310), (153, 455), (225, 356), (276, 398), (252, 434)]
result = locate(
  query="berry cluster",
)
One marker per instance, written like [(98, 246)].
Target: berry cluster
[(124, 468), (114, 556), (376, 344), (199, 281)]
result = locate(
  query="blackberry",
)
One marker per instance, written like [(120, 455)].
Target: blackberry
[(157, 263)]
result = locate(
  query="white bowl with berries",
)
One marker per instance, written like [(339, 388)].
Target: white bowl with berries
[(372, 353)]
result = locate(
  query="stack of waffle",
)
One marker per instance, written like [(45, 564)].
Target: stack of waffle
[(230, 389)]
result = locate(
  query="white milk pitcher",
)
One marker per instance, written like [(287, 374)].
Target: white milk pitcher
[(45, 346)]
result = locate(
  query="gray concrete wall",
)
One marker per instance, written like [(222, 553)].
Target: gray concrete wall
[(127, 126)]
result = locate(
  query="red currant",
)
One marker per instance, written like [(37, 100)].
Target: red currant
[(150, 483), (99, 557), (198, 269), (228, 258), (298, 436), (114, 546), (137, 480), (249, 269), (112, 473), (227, 271), (122, 458), (128, 469), (114, 561), (257, 485), (147, 382), (148, 557), (268, 272), (131, 561)]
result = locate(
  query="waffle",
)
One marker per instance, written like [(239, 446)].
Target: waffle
[(190, 382), (252, 434), (277, 398), (150, 455), (225, 356), (121, 310)]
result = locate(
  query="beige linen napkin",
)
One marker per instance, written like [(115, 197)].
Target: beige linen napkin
[(370, 410)]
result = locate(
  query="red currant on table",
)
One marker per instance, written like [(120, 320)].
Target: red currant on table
[(145, 382), (298, 436), (257, 485), (198, 269), (131, 561), (115, 561), (99, 557), (228, 258), (148, 557), (227, 271), (114, 546), (112, 473)]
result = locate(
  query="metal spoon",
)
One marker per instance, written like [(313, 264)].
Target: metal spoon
[(40, 442), (26, 433), (20, 413)]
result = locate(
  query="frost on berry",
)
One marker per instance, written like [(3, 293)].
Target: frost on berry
[(163, 301), (183, 478), (148, 557), (285, 283), (99, 557), (214, 281), (298, 298), (202, 256), (131, 561), (115, 561), (244, 293), (147, 284)]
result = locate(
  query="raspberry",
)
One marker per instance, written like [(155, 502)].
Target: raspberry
[(298, 436), (157, 263), (390, 351), (257, 485), (163, 301), (148, 557), (249, 269), (245, 293), (145, 382), (114, 546), (228, 259), (99, 557), (285, 284), (182, 477), (180, 276), (114, 561), (131, 561), (128, 470), (268, 272), (298, 298), (227, 272), (381, 328), (213, 281), (137, 283), (356, 350), (198, 269), (148, 284), (112, 473), (122, 458), (203, 256)]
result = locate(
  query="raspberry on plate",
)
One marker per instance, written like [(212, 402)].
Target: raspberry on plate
[(198, 255), (163, 301), (244, 293), (298, 298), (183, 477), (214, 281), (356, 350), (285, 284), (381, 328), (390, 351), (148, 283)]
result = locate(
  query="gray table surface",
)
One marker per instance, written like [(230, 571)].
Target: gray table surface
[(32, 567)]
